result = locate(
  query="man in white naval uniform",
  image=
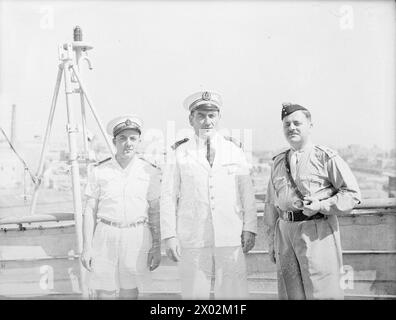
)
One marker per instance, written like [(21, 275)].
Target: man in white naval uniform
[(208, 211), (121, 236)]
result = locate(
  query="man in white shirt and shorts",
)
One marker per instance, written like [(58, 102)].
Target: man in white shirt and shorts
[(121, 232)]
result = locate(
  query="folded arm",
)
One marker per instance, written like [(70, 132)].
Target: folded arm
[(347, 190)]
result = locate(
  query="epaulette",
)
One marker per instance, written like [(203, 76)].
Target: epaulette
[(178, 143), (102, 161), (150, 163), (235, 141), (329, 152), (278, 154)]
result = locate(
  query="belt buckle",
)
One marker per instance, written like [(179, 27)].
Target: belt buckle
[(290, 215), (140, 221), (113, 224), (118, 224), (128, 224), (131, 224)]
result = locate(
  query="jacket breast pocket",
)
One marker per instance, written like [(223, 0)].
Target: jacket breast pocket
[(142, 182), (143, 178), (110, 189), (279, 183), (187, 170), (231, 168), (312, 182), (138, 186)]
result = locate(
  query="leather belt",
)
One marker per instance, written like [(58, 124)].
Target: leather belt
[(295, 216), (122, 224)]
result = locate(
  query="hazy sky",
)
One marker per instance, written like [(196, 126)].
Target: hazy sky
[(336, 58)]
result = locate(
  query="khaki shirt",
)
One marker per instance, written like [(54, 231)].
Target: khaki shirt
[(207, 206), (320, 173), (124, 195)]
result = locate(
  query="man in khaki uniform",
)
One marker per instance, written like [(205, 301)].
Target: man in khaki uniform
[(208, 210), (308, 186)]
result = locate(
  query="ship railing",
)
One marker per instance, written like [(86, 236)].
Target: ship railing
[(378, 207), (376, 248)]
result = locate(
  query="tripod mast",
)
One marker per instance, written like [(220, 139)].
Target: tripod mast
[(70, 55)]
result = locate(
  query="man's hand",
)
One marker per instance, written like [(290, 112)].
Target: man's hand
[(311, 206), (86, 259), (172, 247), (154, 257), (271, 252), (248, 240)]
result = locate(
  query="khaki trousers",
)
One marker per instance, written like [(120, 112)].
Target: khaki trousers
[(227, 264), (309, 259)]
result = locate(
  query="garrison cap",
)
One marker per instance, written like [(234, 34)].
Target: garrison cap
[(121, 123), (289, 108), (206, 100)]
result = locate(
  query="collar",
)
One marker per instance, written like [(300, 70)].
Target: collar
[(306, 148), (128, 167), (214, 140)]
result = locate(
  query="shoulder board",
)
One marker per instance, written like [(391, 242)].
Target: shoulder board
[(280, 153), (235, 141), (178, 143), (102, 161), (149, 162), (329, 152)]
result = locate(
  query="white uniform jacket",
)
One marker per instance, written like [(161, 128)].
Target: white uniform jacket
[(207, 206)]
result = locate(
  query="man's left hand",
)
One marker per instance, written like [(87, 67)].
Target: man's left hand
[(154, 257), (311, 206), (248, 241)]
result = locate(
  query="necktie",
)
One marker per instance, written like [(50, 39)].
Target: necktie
[(210, 154), (293, 164)]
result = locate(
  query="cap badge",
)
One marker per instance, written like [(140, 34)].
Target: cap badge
[(206, 96), (128, 122)]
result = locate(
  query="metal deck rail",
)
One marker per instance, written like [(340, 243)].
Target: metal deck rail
[(29, 245)]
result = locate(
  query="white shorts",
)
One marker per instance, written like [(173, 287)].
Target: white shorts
[(119, 258)]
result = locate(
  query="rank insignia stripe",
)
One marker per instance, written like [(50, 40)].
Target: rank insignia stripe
[(178, 143)]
